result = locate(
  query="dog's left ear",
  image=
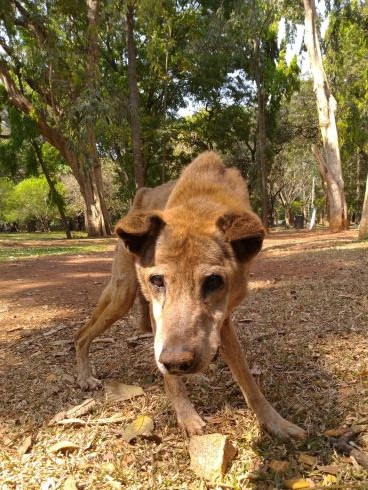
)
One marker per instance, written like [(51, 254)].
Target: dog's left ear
[(137, 228), (245, 233)]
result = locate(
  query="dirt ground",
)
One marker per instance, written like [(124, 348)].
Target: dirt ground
[(304, 328)]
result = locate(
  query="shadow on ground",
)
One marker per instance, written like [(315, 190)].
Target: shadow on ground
[(303, 329)]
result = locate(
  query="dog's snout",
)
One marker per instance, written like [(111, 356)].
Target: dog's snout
[(177, 361)]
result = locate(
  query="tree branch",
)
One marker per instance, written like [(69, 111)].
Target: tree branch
[(52, 135)]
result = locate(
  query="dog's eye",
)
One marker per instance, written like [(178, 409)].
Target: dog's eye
[(157, 281), (212, 283)]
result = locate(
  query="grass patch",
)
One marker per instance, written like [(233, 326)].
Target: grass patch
[(15, 253), (53, 235)]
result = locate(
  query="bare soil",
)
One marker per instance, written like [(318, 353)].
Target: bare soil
[(304, 328)]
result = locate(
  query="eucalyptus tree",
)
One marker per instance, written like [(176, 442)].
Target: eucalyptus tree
[(329, 162), (346, 56), (49, 68)]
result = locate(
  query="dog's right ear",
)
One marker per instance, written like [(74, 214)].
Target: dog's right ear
[(245, 232), (137, 227)]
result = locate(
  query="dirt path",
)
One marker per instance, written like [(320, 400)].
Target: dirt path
[(304, 328)]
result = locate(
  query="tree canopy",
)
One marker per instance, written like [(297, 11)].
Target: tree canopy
[(122, 94)]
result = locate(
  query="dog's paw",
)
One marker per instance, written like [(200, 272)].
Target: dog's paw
[(193, 425), (285, 429), (89, 383)]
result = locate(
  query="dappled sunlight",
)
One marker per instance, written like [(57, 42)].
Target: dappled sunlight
[(303, 328)]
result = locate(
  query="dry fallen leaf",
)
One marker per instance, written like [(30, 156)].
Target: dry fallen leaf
[(116, 418), (83, 408), (335, 432), (64, 447), (297, 483), (332, 469), (329, 480), (307, 459), (25, 446), (279, 466), (117, 392), (141, 426)]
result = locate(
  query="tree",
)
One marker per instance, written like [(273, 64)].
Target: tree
[(22, 155), (50, 74), (346, 54), (329, 164), (363, 227), (134, 96), (29, 203)]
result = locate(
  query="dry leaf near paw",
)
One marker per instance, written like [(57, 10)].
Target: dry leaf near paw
[(141, 426), (117, 392)]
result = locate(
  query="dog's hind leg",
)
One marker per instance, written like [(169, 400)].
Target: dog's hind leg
[(115, 301), (188, 418), (232, 354)]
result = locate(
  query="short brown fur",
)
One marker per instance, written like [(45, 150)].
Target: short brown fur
[(185, 249)]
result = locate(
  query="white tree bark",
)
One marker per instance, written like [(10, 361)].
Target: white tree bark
[(363, 227), (326, 105)]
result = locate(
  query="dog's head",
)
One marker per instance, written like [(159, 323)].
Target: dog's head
[(193, 274)]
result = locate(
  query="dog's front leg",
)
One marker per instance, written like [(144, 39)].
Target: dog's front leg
[(268, 417), (188, 418)]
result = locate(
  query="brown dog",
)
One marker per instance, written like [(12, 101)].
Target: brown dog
[(187, 245)]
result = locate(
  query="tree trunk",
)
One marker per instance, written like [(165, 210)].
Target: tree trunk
[(88, 176), (262, 136), (96, 213), (363, 227), (56, 196), (134, 98), (326, 105)]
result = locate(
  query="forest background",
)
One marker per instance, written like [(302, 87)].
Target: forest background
[(101, 97)]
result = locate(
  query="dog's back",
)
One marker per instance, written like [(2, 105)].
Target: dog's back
[(207, 179)]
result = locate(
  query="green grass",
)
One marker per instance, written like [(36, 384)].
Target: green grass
[(15, 253), (53, 235), (14, 246)]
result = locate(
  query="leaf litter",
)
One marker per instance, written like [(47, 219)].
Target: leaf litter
[(303, 328)]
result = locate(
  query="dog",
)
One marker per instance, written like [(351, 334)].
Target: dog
[(185, 249)]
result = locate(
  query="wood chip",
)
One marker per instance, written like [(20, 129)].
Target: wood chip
[(210, 455)]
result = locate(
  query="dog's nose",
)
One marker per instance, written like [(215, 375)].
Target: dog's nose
[(177, 362)]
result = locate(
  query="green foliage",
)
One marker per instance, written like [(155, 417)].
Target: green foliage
[(6, 189), (30, 201), (201, 53)]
